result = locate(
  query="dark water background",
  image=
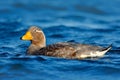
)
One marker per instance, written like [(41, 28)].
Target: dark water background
[(94, 22)]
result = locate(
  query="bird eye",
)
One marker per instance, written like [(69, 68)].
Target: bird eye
[(38, 31), (35, 30)]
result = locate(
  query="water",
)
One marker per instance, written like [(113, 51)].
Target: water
[(84, 21)]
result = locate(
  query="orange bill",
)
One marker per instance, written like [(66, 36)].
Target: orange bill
[(27, 36)]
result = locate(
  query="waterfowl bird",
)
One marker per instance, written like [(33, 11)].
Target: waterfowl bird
[(68, 50)]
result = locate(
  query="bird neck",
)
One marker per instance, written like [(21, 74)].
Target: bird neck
[(36, 46), (40, 43)]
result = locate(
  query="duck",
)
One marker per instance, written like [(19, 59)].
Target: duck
[(68, 50)]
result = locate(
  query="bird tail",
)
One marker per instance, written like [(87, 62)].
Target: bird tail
[(104, 50), (107, 49)]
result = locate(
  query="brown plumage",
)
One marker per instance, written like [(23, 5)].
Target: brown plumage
[(62, 49)]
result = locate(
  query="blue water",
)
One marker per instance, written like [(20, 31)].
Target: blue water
[(95, 22)]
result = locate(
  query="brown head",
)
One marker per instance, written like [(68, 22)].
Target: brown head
[(37, 38)]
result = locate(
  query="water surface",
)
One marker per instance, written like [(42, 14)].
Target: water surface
[(85, 21)]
